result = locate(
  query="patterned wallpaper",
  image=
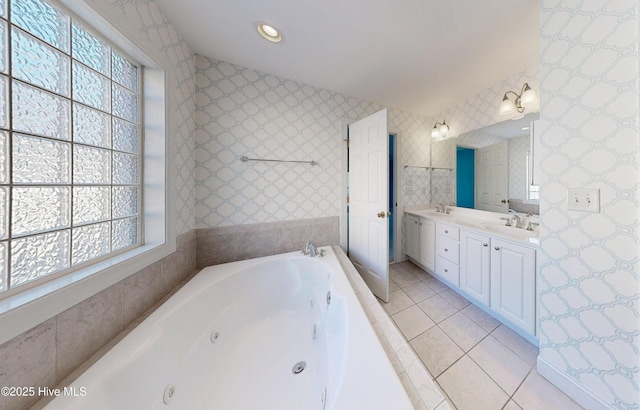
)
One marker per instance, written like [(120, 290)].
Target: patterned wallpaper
[(414, 133), (240, 111), (589, 262), (146, 26)]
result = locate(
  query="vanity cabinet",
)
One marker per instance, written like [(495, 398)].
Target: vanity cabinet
[(475, 265), (513, 283), (448, 253), (496, 273), (411, 237), (420, 241)]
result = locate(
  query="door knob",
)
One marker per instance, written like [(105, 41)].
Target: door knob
[(381, 214), (504, 201), (497, 248), (485, 244)]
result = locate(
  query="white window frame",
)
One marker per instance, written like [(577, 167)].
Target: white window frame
[(24, 310)]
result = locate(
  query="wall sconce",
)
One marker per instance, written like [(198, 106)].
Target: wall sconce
[(440, 130), (526, 97)]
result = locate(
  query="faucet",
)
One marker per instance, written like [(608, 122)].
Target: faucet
[(311, 249), (531, 225), (508, 221), (518, 221)]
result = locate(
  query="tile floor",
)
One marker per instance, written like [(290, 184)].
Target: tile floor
[(477, 362)]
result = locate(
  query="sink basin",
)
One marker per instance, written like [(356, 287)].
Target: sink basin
[(515, 233)]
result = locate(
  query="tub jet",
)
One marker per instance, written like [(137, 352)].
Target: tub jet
[(299, 367), (169, 392)]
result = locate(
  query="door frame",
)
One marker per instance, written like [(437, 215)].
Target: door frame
[(344, 221)]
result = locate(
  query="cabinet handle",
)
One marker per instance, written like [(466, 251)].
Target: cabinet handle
[(497, 248), (446, 250), (446, 270), (445, 231), (485, 244)]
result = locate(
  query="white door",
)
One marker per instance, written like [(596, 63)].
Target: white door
[(493, 181), (368, 201)]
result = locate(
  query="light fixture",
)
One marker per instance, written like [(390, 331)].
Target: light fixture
[(440, 130), (525, 98), (269, 32)]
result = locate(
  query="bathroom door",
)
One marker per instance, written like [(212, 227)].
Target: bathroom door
[(493, 178), (369, 201)]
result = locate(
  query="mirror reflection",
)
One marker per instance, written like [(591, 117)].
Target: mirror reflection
[(493, 168)]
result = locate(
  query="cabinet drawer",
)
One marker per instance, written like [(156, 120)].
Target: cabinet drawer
[(448, 271), (448, 248), (449, 231)]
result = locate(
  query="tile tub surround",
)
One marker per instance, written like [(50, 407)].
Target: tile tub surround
[(46, 354), (240, 242), (418, 383)]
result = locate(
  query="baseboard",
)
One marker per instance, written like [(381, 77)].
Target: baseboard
[(572, 389)]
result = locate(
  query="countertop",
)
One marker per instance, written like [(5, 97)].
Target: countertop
[(482, 221)]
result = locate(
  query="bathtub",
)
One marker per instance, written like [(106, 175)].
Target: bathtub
[(279, 332)]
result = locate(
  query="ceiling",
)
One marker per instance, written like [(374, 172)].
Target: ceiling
[(420, 56)]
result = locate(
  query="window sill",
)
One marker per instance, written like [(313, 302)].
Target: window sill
[(27, 309)]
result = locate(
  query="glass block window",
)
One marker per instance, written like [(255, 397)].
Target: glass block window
[(70, 160)]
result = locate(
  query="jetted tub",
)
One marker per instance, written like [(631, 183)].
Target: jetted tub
[(279, 332)]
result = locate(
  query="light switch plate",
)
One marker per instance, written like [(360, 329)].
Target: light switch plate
[(585, 200)]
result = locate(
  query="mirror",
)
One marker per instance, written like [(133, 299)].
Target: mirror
[(492, 168)]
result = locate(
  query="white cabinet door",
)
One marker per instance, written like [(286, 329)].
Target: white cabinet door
[(427, 243), (513, 283), (412, 238), (475, 265)]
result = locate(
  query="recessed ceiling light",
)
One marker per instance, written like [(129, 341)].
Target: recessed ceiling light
[(270, 32)]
